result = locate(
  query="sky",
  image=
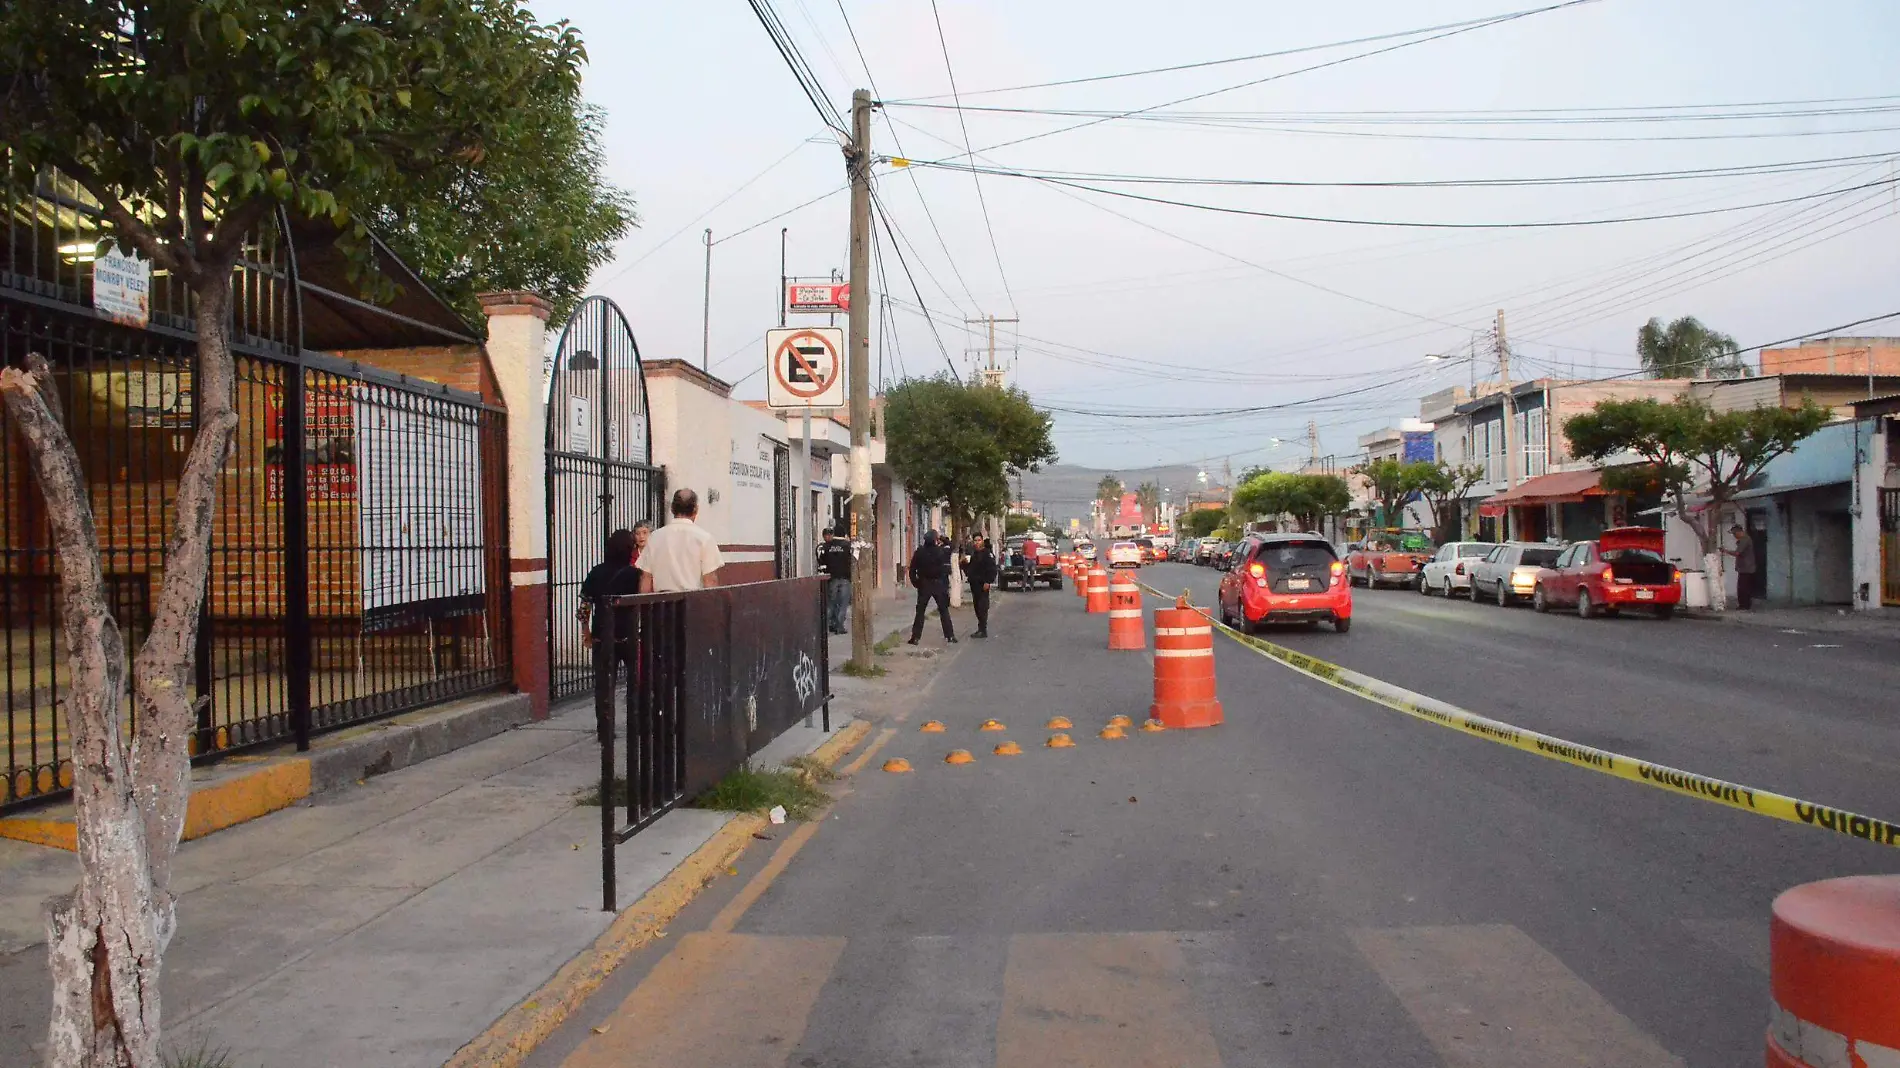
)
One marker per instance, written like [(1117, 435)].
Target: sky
[(1135, 313)]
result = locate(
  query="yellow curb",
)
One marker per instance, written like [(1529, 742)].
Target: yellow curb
[(212, 807), (509, 1040)]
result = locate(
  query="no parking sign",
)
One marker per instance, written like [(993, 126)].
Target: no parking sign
[(805, 366)]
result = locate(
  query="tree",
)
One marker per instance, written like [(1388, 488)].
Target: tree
[(1109, 493), (1391, 483), (1307, 498), (1687, 446), (957, 443), (1017, 524), (1688, 349), (1148, 497), (190, 123), (1441, 486), (1201, 522)]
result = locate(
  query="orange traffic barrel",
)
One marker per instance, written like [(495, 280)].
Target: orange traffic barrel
[(1834, 964), (1124, 614), (1098, 590), (1081, 578), (1184, 668)]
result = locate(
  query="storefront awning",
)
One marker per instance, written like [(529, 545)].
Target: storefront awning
[(1564, 487)]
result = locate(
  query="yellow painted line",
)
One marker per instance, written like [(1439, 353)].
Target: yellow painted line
[(716, 1001), (841, 743), (870, 751), (1100, 1001), (1488, 996), (1602, 761), (212, 807), (729, 916)]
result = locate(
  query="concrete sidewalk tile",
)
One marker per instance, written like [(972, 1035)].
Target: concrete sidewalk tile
[(496, 755), (29, 875)]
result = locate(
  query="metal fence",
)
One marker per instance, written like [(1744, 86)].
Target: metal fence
[(359, 552), (701, 682), (1890, 545)]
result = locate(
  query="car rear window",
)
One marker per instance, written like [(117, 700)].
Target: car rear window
[(1473, 550), (1539, 557), (1281, 556)]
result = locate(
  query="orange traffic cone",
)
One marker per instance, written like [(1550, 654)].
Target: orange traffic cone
[(1184, 668), (1081, 578), (1098, 590), (1834, 957), (1124, 614)]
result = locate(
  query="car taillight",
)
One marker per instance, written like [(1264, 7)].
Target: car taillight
[(1339, 572), (1460, 569), (1257, 570), (1609, 575), (1676, 577)]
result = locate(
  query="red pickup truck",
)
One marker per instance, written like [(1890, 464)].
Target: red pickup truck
[(1623, 568)]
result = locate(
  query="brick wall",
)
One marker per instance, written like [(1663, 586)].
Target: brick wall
[(1835, 355), (463, 367)]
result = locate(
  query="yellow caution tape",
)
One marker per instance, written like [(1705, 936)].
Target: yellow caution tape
[(1662, 777)]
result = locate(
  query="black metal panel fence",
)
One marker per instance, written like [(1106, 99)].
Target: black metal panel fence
[(710, 678)]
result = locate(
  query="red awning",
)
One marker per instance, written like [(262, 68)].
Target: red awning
[(1564, 487)]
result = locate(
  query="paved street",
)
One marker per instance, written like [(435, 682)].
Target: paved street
[(1320, 881)]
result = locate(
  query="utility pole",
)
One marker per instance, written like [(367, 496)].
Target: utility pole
[(1312, 438), (1510, 417), (783, 297), (705, 327), (857, 163), (993, 376)]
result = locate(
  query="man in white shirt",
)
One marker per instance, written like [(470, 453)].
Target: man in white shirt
[(680, 555)]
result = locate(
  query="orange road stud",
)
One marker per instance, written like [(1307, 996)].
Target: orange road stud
[(1120, 721), (1124, 614), (1153, 725), (1184, 668), (1113, 732), (897, 765), (1834, 963), (959, 756), (992, 725), (1008, 749), (932, 727), (1098, 591), (1058, 723), (1060, 741)]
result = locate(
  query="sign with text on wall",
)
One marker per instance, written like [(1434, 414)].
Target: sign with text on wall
[(805, 368), (122, 286), (818, 297)]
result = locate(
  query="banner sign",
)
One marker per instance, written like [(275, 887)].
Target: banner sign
[(818, 297)]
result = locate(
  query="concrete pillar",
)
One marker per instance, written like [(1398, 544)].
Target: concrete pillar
[(517, 345)]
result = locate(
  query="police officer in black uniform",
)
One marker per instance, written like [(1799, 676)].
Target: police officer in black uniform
[(930, 573), (980, 568), (834, 561)]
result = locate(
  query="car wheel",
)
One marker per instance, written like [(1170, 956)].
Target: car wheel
[(1424, 588), (1342, 624), (1586, 608), (1665, 611), (1448, 590), (1539, 600), (1504, 595)]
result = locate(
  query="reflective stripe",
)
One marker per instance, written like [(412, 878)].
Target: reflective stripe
[(1181, 632), (1124, 613), (1209, 651), (1819, 1047)]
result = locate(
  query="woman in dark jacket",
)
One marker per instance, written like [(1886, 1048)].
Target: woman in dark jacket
[(980, 568)]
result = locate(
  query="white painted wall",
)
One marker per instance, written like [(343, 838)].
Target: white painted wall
[(1870, 474)]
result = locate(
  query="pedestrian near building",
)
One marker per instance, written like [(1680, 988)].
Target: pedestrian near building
[(681, 555), (930, 574), (1744, 554), (834, 561), (980, 568)]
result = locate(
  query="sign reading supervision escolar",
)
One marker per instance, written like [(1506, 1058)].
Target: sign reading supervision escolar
[(805, 368)]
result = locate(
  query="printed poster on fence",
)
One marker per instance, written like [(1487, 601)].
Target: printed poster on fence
[(329, 426), (419, 481)]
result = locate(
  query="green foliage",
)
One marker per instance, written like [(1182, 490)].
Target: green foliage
[(1307, 498), (749, 789), (190, 121), (1148, 497), (1393, 482), (1225, 533), (1441, 486), (1684, 444), (1687, 348), (1200, 524), (956, 443), (1018, 524), (204, 1055), (1109, 492)]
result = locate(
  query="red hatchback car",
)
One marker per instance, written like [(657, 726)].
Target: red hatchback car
[(1623, 568), (1285, 578)]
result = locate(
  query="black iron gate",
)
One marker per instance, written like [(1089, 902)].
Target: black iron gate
[(784, 514), (600, 472)]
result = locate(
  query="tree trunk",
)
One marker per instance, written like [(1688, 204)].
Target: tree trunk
[(106, 940)]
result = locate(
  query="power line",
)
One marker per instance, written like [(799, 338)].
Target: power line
[(877, 203), (982, 203), (802, 205), (801, 70)]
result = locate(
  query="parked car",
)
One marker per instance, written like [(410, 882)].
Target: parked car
[(1623, 568), (1207, 553), (1510, 570), (1124, 554), (1027, 561), (1149, 552), (1285, 578), (1375, 564), (1449, 569)]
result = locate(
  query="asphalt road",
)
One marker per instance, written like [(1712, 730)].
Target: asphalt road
[(1318, 881)]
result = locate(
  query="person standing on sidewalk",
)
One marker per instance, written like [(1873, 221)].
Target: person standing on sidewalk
[(834, 561), (1744, 554), (681, 555), (930, 573), (980, 568)]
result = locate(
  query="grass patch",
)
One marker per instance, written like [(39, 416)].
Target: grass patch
[(590, 798), (863, 671), (889, 643), (812, 768), (750, 789), (205, 1056)]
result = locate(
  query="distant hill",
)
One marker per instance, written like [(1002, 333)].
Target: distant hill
[(1064, 490)]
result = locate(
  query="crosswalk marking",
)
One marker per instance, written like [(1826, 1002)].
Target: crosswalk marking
[(1488, 996), (716, 1001), (1100, 1001)]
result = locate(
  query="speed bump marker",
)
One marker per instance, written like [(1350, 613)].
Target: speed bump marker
[(1120, 721), (897, 765), (1153, 725), (1008, 749), (992, 725), (932, 727), (959, 756), (1112, 732), (1059, 723), (1060, 741)]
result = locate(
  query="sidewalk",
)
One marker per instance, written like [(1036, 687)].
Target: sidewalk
[(385, 924), (1821, 619)]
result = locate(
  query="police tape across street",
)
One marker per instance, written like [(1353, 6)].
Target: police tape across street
[(1432, 710)]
